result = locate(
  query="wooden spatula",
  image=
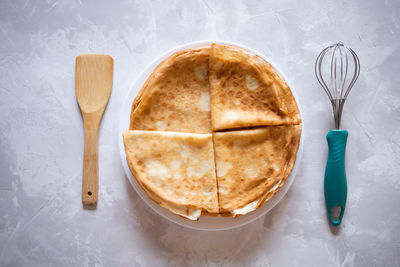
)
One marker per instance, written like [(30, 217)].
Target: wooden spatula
[(93, 83)]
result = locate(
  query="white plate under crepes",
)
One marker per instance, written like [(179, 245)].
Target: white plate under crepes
[(210, 223)]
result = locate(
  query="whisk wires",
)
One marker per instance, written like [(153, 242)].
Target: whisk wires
[(340, 84)]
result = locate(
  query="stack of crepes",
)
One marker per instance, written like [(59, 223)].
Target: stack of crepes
[(214, 130)]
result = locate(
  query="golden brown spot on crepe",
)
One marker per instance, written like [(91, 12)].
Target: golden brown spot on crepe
[(230, 144), (259, 107)]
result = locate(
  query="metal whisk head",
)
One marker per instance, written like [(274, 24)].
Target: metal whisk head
[(343, 69)]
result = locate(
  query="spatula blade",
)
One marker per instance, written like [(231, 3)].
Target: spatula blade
[(93, 81)]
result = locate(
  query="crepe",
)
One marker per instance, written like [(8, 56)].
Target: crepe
[(246, 90), (175, 169), (176, 95), (213, 131), (253, 164)]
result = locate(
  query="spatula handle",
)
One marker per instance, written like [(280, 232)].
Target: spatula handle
[(335, 183), (90, 178)]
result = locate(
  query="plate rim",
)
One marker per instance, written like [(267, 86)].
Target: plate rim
[(205, 223)]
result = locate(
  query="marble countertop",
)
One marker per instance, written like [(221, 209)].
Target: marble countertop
[(42, 222)]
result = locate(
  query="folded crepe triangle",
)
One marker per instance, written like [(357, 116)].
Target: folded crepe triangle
[(245, 90), (175, 169), (253, 164), (176, 96)]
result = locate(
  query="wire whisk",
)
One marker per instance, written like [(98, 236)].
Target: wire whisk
[(344, 61)]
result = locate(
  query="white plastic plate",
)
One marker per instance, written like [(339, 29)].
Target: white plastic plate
[(211, 223)]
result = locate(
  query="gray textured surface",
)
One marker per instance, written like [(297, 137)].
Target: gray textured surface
[(41, 137)]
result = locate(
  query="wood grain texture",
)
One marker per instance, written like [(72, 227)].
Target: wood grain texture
[(93, 83)]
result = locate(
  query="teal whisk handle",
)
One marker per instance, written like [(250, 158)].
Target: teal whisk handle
[(335, 184)]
